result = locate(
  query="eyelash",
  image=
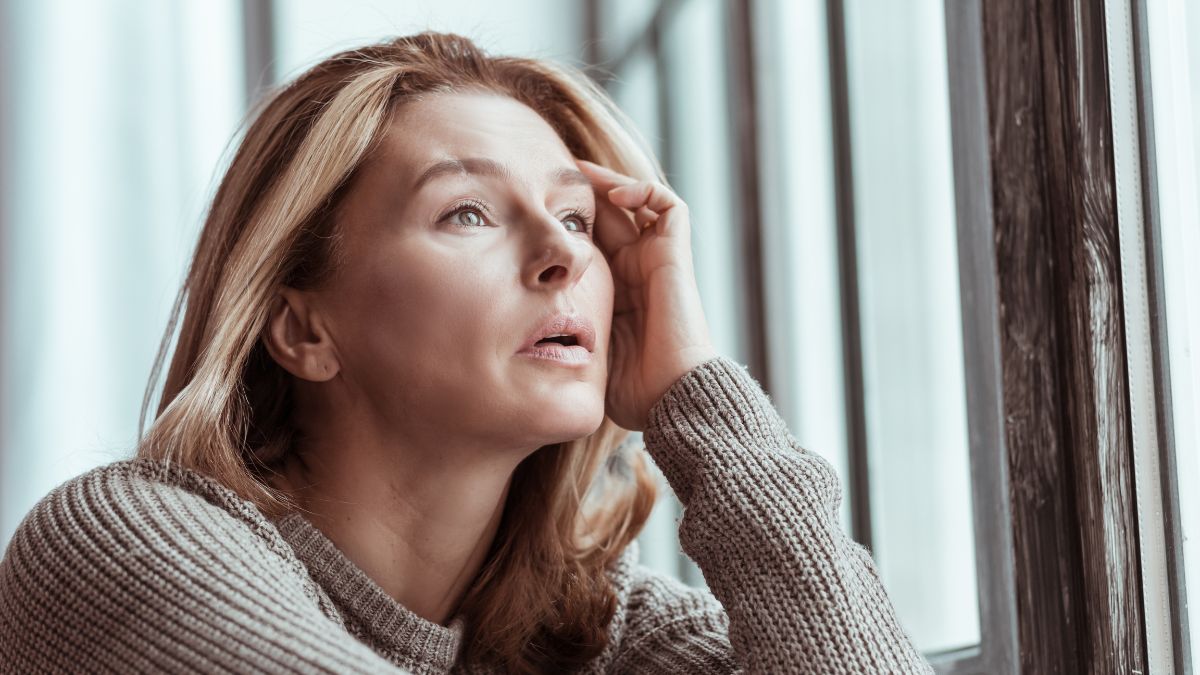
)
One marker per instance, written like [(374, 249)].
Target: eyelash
[(581, 214)]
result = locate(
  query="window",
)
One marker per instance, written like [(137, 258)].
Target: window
[(676, 96), (935, 257), (108, 163), (107, 167), (1170, 106), (860, 343)]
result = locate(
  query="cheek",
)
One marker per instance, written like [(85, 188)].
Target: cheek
[(416, 313), (600, 285), (445, 302)]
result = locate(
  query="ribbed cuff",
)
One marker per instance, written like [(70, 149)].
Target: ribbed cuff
[(717, 420)]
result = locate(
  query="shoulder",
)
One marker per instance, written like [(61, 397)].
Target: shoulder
[(137, 555), (665, 625), (137, 505)]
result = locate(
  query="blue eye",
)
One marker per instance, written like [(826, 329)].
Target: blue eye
[(474, 212), (584, 222), (475, 221)]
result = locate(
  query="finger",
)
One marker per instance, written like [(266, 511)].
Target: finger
[(647, 199), (614, 227), (671, 214), (603, 177), (656, 194), (675, 221), (603, 171), (653, 195), (644, 218)]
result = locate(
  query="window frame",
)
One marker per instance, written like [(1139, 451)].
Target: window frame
[(1160, 356)]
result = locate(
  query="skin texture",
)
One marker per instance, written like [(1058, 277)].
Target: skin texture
[(413, 403)]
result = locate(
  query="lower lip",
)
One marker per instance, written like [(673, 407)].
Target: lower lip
[(566, 355)]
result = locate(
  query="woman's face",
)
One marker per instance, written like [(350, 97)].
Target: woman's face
[(448, 274)]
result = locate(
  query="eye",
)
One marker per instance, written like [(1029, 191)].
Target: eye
[(468, 214), (581, 220), (474, 219)]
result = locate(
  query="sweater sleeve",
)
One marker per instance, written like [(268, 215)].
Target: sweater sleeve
[(112, 572), (790, 592)]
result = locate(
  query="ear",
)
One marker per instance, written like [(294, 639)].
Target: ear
[(296, 337)]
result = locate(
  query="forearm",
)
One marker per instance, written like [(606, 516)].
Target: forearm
[(760, 519)]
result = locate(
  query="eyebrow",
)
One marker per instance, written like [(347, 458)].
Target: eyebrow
[(482, 166)]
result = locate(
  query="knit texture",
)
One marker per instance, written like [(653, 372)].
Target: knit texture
[(147, 566)]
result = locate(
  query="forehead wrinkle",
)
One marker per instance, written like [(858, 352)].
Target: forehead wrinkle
[(482, 166), (465, 166), (567, 177)]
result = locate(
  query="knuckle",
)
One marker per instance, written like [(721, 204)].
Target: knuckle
[(665, 190)]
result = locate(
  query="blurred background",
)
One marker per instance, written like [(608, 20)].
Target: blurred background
[(811, 139)]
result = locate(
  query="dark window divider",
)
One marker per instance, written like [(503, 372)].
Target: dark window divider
[(258, 43), (747, 197), (854, 386), (743, 112), (997, 651)]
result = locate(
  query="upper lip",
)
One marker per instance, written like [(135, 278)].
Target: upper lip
[(570, 324)]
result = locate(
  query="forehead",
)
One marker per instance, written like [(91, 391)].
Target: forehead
[(439, 126)]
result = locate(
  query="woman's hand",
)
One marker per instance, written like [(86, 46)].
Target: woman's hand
[(658, 330)]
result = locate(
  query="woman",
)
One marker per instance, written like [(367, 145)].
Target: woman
[(433, 293)]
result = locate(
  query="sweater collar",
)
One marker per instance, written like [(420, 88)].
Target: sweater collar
[(385, 624)]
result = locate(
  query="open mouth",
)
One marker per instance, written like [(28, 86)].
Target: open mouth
[(568, 340), (562, 348)]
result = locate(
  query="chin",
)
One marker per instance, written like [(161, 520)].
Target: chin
[(572, 424)]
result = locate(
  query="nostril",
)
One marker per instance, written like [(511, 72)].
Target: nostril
[(551, 273)]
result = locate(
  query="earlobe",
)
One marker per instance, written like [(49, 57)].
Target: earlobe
[(295, 339)]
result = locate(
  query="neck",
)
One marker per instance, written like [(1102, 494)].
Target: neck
[(418, 523)]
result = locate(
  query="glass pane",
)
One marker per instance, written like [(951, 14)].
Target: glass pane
[(691, 138), (110, 160), (308, 30), (622, 24), (1174, 31), (635, 91), (800, 229), (911, 320), (698, 160)]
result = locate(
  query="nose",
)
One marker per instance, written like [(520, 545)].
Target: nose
[(558, 256)]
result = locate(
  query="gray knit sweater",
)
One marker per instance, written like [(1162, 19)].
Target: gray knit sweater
[(146, 566)]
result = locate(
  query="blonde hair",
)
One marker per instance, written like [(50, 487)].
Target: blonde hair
[(542, 601)]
